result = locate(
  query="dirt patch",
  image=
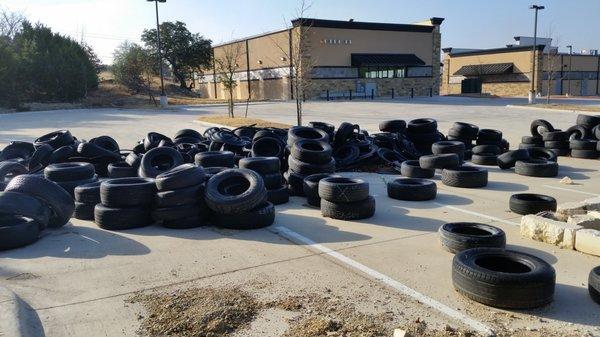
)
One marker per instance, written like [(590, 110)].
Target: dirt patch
[(196, 312), (241, 121), (569, 107)]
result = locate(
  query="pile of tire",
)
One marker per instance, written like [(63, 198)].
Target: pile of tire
[(423, 133), (310, 186), (465, 133), (345, 198), (310, 153), (28, 205), (238, 198), (532, 162), (179, 202), (269, 169), (71, 175), (125, 203)]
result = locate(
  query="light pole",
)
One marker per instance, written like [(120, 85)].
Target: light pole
[(569, 73), (163, 96), (532, 92)]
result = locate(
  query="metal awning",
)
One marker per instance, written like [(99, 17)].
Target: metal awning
[(485, 69), (385, 60)]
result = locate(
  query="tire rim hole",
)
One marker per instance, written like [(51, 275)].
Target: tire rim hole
[(469, 230), (502, 264)]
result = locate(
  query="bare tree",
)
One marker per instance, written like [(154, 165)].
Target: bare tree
[(553, 64), (226, 66), (301, 62), (10, 23)]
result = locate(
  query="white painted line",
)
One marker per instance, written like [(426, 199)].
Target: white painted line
[(474, 324), (489, 217), (88, 238), (570, 190)]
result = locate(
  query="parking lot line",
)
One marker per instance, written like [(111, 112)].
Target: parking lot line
[(474, 324), (480, 215), (570, 190)]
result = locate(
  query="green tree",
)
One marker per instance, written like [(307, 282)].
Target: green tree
[(132, 67), (185, 52), (9, 95)]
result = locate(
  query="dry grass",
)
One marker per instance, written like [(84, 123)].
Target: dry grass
[(241, 121), (570, 107)]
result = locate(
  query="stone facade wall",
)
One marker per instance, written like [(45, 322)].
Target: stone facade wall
[(437, 41), (506, 88), (421, 86)]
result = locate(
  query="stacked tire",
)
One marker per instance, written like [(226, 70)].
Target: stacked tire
[(269, 169), (423, 133), (238, 198), (310, 153), (486, 155), (557, 141), (311, 188), (465, 133), (71, 175), (125, 203), (180, 201), (86, 198), (345, 198)]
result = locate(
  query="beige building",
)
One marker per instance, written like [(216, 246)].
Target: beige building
[(343, 57), (508, 71)]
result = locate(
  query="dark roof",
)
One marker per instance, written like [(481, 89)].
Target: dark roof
[(363, 25), (391, 60), (495, 50), (485, 69)]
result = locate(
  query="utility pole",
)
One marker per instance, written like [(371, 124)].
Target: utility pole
[(569, 73), (533, 57), (163, 96)]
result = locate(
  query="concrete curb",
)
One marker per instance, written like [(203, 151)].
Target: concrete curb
[(512, 106), (17, 318)]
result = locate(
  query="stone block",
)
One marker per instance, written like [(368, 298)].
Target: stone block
[(585, 220), (588, 241), (571, 208), (550, 231), (592, 204)]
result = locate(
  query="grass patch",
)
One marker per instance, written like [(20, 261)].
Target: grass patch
[(241, 121), (569, 107)]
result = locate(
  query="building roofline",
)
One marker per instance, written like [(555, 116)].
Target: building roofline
[(494, 50), (398, 27), (251, 37)]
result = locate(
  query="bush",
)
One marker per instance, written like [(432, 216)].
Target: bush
[(132, 67)]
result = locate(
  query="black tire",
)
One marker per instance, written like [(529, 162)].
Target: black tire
[(188, 133), (583, 144), (70, 186), (578, 132), (186, 196), (127, 192), (17, 150), (596, 132), (343, 134), (465, 177), (510, 158), (329, 128), (176, 212), (412, 169), (17, 232), (84, 211), (557, 145), (90, 150), (59, 201), (356, 210), (11, 169), (159, 160), (215, 159), (272, 180), (585, 154), (297, 133), (439, 161), (23, 205), (485, 159), (536, 168), (539, 127), (530, 203), (422, 125), (346, 155), (489, 136), (588, 121), (235, 191), (503, 278), (261, 165), (341, 189), (121, 170), (88, 193), (62, 154), (542, 153), (134, 160), (458, 236), (55, 139), (260, 216), (487, 149), (278, 196), (182, 176), (268, 147), (295, 183), (394, 126), (308, 169), (390, 157), (556, 136), (110, 218), (449, 146), (69, 171), (40, 158), (312, 151), (463, 130), (310, 184), (153, 139), (106, 142), (594, 284), (412, 189), (539, 141), (561, 152)]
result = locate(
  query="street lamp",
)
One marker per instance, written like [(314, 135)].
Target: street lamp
[(569, 73), (163, 95), (532, 92)]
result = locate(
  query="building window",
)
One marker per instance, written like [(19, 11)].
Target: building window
[(382, 72)]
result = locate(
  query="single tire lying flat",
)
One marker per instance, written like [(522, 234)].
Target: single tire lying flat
[(127, 192), (412, 169), (259, 217), (84, 211), (465, 177), (439, 161), (412, 189), (536, 168), (69, 171), (458, 236), (356, 210), (17, 232), (182, 176), (121, 218), (278, 196), (503, 278), (530, 203), (185, 196), (485, 159), (341, 189), (88, 193)]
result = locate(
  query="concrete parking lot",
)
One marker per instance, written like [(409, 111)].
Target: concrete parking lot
[(78, 278)]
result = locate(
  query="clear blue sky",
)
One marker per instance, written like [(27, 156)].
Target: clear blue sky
[(469, 23)]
